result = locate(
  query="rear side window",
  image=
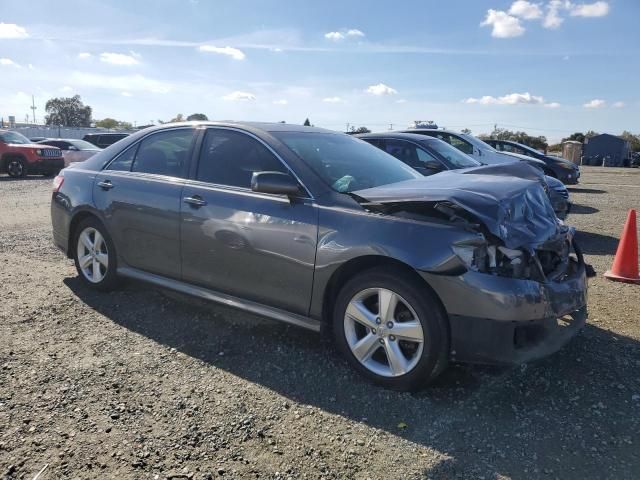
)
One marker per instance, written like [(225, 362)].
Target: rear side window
[(164, 153), (230, 158)]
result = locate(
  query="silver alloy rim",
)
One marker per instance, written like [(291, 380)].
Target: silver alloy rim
[(93, 256), (15, 168), (383, 332)]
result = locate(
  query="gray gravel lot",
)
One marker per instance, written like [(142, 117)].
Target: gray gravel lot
[(140, 383)]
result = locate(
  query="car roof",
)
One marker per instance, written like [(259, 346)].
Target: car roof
[(415, 137), (268, 127)]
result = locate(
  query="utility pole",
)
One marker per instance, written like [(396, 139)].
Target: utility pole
[(391, 126), (33, 108), (495, 127), (347, 127)]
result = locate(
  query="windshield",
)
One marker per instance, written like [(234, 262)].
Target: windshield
[(14, 137), (346, 163), (82, 145), (453, 157)]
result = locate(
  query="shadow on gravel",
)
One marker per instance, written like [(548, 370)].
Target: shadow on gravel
[(582, 209), (585, 190), (596, 243), (573, 415)]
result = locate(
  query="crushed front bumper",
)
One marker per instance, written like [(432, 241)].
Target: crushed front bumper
[(500, 320)]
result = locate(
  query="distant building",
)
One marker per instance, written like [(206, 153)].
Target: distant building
[(606, 150)]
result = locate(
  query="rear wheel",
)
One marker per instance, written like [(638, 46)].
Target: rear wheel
[(95, 255), (16, 168), (391, 329)]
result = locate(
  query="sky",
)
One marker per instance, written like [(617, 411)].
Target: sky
[(550, 67)]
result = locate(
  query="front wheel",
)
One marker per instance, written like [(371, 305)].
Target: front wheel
[(16, 168), (391, 329), (95, 255)]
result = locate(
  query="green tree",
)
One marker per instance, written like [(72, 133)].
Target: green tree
[(177, 118), (112, 123), (68, 112), (197, 116), (634, 140), (307, 123), (466, 130), (107, 123), (355, 130), (576, 137)]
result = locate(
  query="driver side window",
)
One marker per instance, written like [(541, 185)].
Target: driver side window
[(462, 145)]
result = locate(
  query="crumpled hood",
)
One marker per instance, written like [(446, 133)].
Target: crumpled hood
[(508, 199)]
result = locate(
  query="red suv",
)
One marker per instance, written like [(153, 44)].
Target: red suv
[(20, 157)]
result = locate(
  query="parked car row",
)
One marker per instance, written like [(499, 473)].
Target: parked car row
[(409, 259)]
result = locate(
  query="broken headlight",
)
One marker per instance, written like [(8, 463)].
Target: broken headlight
[(494, 259)]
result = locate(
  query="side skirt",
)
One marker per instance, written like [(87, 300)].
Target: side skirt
[(228, 300)]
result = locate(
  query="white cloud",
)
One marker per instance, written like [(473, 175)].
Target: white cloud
[(552, 105), (119, 58), (526, 10), (66, 89), (341, 35), (7, 62), (332, 100), (552, 19), (596, 9), (12, 31), (354, 32), (84, 55), (335, 36), (119, 82), (596, 103), (229, 51), (281, 102), (126, 94), (619, 105), (509, 99), (503, 25), (381, 89), (239, 96)]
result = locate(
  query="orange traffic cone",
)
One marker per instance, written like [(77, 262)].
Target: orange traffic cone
[(625, 263)]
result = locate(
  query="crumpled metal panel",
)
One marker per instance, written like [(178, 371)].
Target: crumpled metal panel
[(508, 199)]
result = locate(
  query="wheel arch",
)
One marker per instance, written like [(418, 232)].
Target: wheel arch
[(77, 218), (6, 157), (360, 264)]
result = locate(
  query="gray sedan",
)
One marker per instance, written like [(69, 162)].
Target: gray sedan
[(324, 231)]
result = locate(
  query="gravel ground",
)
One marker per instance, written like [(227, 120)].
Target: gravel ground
[(144, 384)]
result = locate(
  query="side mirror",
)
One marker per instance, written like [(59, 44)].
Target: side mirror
[(274, 182)]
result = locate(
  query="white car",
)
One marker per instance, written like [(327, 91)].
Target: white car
[(73, 150)]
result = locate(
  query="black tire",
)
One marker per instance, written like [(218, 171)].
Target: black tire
[(435, 352), (109, 279), (16, 168)]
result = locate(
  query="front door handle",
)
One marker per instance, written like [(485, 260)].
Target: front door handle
[(105, 184), (195, 201)]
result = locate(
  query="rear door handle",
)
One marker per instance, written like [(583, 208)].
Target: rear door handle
[(195, 201), (105, 184)]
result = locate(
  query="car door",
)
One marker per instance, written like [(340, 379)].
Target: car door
[(256, 246), (139, 194)]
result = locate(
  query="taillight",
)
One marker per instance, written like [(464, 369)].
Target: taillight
[(57, 183)]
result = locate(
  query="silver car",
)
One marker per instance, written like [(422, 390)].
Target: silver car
[(326, 232)]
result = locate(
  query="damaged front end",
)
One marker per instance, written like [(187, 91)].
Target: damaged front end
[(519, 289)]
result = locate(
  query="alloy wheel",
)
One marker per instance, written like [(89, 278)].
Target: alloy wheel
[(15, 168), (383, 332), (93, 256)]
